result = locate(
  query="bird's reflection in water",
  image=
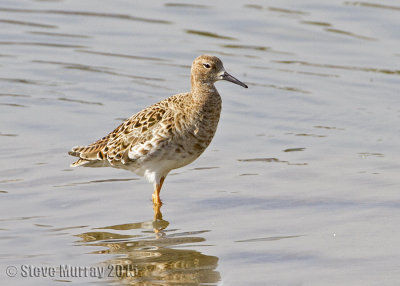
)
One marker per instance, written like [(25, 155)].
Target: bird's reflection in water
[(149, 257)]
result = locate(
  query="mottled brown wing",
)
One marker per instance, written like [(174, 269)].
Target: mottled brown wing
[(115, 146)]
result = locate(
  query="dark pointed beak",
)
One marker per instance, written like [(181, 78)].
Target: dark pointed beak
[(228, 77)]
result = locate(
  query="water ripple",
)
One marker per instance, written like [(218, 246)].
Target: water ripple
[(96, 182), (86, 14), (276, 9), (288, 88), (271, 160), (52, 45), (59, 34), (256, 48), (97, 69), (350, 34), (271, 238), (13, 104), (331, 66), (25, 23), (373, 5), (208, 34), (294, 150), (79, 101), (123, 56), (20, 80), (184, 5), (14, 95), (8, 134)]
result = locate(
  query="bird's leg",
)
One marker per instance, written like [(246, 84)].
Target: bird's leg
[(157, 212), (156, 194)]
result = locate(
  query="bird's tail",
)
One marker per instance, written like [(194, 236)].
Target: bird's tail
[(80, 162), (87, 154)]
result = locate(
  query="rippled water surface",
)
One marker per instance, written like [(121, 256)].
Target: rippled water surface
[(300, 185)]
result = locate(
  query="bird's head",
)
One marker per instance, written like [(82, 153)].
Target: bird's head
[(209, 69)]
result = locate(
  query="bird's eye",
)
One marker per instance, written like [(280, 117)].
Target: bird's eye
[(206, 65)]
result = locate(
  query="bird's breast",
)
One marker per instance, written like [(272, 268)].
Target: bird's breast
[(199, 132)]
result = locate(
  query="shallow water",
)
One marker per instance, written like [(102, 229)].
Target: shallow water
[(300, 185)]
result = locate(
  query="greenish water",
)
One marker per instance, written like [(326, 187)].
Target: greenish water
[(300, 185)]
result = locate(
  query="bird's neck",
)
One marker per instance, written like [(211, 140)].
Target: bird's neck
[(203, 92)]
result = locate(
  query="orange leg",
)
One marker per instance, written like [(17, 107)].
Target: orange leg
[(158, 223), (156, 194), (157, 212)]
